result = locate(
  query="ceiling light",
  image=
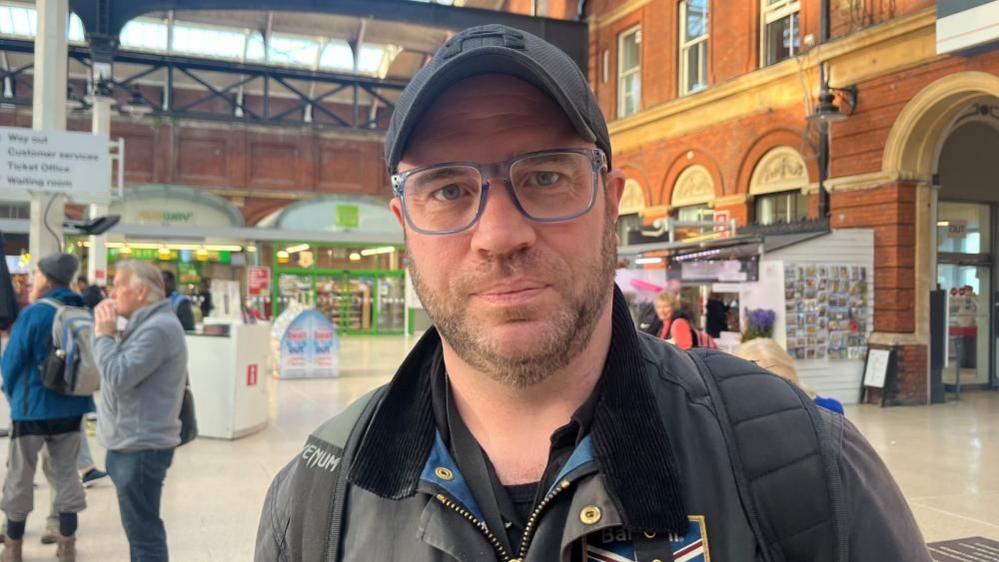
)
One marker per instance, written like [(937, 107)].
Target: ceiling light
[(943, 223), (648, 261), (354, 256), (377, 251), (178, 247), (137, 106), (296, 249)]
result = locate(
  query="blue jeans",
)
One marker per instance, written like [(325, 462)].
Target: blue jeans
[(138, 478)]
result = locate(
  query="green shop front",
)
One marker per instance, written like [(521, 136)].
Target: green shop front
[(359, 286), (343, 255), (166, 225)]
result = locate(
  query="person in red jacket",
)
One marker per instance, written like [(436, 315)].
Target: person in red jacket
[(676, 326)]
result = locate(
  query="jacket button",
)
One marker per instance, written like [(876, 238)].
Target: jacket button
[(590, 515), (444, 473)]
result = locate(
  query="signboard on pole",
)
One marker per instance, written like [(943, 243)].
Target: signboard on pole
[(77, 164), (258, 282)]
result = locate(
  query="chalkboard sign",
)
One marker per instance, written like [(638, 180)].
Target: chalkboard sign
[(877, 367), (878, 372)]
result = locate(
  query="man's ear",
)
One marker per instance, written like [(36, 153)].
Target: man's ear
[(615, 190), (396, 205)]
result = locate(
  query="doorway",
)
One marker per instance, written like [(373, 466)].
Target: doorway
[(967, 245)]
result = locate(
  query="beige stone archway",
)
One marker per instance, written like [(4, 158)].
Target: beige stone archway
[(910, 156), (912, 147)]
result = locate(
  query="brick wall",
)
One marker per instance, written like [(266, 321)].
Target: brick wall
[(261, 168), (890, 212), (848, 16), (910, 384), (858, 142), (730, 151)]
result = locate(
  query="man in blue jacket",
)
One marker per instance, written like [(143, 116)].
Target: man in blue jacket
[(41, 417)]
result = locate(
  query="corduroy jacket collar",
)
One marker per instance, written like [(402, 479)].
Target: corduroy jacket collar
[(632, 448)]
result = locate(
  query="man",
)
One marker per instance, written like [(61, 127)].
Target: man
[(81, 284), (181, 304), (143, 374), (40, 416), (534, 423)]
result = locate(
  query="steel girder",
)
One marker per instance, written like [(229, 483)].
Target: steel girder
[(243, 75), (104, 19)]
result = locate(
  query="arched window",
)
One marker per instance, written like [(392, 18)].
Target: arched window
[(693, 191), (632, 204), (777, 187)]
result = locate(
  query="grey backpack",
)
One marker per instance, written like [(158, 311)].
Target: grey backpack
[(70, 368)]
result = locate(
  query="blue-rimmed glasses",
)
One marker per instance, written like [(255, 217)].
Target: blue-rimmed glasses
[(547, 186)]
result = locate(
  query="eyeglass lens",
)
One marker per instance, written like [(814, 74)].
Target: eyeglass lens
[(549, 187)]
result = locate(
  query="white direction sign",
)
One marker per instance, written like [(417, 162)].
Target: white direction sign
[(77, 164)]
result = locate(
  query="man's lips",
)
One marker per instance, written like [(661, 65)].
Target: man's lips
[(512, 293)]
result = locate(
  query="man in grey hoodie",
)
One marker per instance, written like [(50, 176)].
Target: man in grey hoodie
[(143, 373)]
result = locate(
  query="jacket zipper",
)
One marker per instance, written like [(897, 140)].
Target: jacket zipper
[(529, 530), (482, 527)]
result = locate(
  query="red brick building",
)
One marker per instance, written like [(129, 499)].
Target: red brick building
[(709, 101)]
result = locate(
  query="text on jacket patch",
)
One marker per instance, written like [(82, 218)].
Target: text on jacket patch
[(316, 457)]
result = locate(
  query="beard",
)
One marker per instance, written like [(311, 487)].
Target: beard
[(567, 330)]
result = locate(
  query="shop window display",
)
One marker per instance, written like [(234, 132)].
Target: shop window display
[(391, 304), (361, 290)]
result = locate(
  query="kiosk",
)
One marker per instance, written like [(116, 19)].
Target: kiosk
[(226, 371)]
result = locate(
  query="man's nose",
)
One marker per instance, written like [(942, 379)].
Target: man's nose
[(502, 229)]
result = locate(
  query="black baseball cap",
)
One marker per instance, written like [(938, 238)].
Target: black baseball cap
[(497, 49)]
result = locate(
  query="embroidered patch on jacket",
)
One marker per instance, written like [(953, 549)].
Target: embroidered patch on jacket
[(617, 545), (694, 546)]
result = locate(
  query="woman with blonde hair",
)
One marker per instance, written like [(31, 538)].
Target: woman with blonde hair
[(769, 355), (676, 325)]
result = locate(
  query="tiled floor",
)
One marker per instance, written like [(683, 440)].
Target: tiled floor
[(945, 457)]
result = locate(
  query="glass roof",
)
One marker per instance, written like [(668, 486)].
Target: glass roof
[(217, 41)]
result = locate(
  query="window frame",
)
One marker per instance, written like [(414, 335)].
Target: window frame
[(795, 195), (686, 44), (772, 13), (622, 75)]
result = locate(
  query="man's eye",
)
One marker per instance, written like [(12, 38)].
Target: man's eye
[(546, 179), (448, 193)]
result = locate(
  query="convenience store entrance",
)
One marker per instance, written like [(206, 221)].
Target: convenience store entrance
[(357, 302)]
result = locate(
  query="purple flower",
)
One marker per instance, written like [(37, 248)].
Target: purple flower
[(759, 323)]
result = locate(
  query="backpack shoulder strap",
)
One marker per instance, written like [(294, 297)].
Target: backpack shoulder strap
[(357, 430), (53, 303), (57, 337), (791, 489), (314, 492)]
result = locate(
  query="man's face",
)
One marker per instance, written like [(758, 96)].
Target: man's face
[(39, 286), (127, 299), (516, 299)]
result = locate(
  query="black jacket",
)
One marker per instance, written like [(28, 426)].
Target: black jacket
[(662, 471)]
